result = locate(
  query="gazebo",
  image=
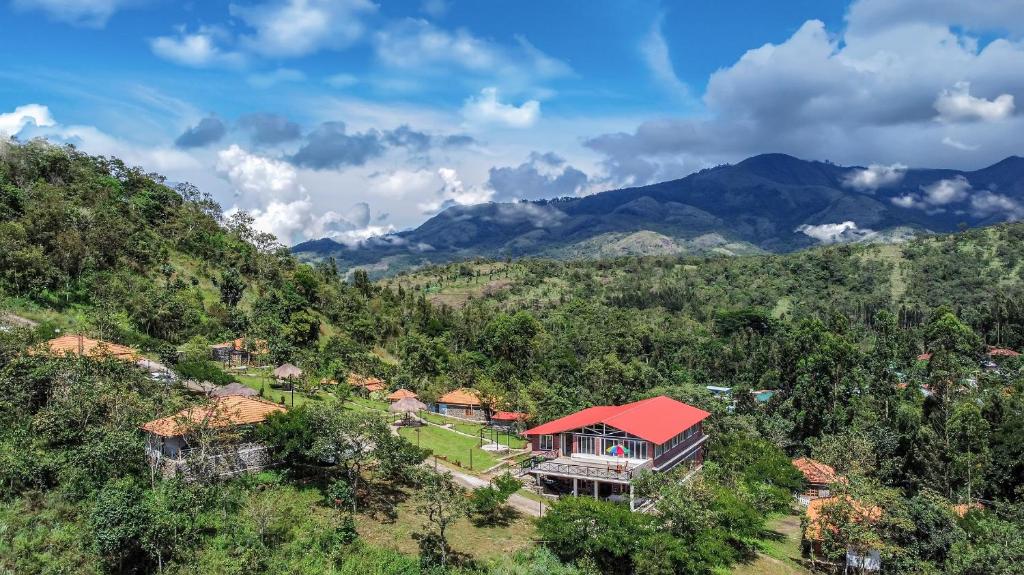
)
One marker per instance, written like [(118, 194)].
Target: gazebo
[(287, 371), (407, 406)]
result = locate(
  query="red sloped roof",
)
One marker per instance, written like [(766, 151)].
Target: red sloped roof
[(1001, 352), (924, 357), (657, 419), (508, 416)]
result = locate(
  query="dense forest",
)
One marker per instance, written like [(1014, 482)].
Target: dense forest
[(91, 245)]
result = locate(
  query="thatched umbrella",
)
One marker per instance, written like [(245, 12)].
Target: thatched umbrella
[(407, 405), (287, 371)]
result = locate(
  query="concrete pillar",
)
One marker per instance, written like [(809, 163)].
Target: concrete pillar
[(595, 489), (575, 486), (631, 508)]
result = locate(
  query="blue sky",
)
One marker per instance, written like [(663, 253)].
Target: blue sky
[(348, 118)]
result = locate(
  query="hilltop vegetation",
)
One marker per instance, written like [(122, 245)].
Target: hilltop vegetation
[(92, 245)]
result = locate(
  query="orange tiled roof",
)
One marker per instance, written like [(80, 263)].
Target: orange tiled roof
[(1001, 352), (508, 416), (77, 344), (363, 381), (462, 396), (816, 472), (401, 394), (861, 513), (924, 357), (374, 386), (227, 411), (257, 346)]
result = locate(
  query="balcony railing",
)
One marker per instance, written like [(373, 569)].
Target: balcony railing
[(609, 471)]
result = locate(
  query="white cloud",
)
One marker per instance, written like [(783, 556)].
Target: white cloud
[(454, 192), (293, 28), (434, 8), (341, 80), (415, 43), (957, 144), (12, 123), (274, 77), (957, 104), (865, 94), (946, 191), (257, 179), (987, 15), (416, 46), (987, 203), (656, 55), (935, 196), (875, 176), (91, 13), (487, 109), (197, 49), (836, 233), (271, 191)]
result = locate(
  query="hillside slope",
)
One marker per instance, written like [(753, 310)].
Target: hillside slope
[(770, 202)]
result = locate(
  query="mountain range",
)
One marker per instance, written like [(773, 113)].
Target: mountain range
[(770, 202)]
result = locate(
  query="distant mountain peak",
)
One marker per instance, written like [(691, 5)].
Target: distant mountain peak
[(761, 203)]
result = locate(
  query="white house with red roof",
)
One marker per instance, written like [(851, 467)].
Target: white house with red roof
[(600, 450)]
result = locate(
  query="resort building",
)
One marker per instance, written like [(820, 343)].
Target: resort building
[(400, 394), (819, 478), (463, 403), (80, 345), (864, 558), (240, 351), (211, 439), (600, 450), (368, 384)]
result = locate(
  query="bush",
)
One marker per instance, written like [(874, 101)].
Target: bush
[(203, 371)]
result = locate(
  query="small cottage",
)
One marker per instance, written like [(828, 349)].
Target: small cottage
[(173, 442), (863, 557), (507, 419), (819, 478), (240, 351), (401, 394), (463, 403)]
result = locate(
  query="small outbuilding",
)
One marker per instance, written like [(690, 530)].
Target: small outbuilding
[(171, 442), (463, 403), (400, 394), (819, 477)]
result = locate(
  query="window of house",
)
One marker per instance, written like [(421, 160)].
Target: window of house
[(547, 442), (585, 444)]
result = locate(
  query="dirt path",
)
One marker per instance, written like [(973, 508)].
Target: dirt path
[(522, 504)]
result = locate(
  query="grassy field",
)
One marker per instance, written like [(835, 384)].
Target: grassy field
[(779, 554), (473, 429), (274, 394), (453, 447), (467, 539)]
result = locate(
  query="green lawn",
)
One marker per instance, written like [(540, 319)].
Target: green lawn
[(474, 430), (364, 403), (275, 394), (451, 446), (778, 553)]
